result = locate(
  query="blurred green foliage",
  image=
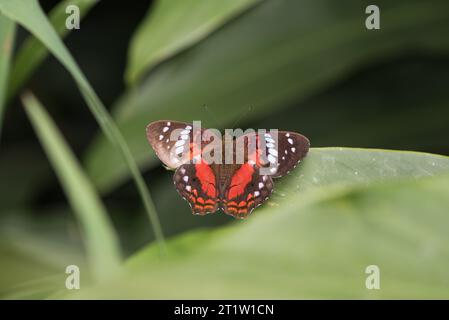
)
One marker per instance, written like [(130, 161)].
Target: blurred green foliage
[(32, 52), (29, 14), (280, 53), (101, 242), (309, 66), (316, 248), (168, 30), (7, 31)]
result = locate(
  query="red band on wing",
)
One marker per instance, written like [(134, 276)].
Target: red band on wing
[(207, 179), (242, 177)]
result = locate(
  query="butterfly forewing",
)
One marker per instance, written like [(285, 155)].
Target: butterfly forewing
[(292, 147), (175, 142), (275, 153), (166, 139)]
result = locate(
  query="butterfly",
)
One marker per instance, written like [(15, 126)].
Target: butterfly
[(235, 187)]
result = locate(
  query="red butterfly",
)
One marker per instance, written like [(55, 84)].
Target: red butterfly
[(237, 189)]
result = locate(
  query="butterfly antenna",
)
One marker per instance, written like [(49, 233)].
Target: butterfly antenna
[(250, 108)]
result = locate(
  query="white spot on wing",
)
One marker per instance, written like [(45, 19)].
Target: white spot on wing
[(287, 135), (189, 188), (290, 140), (165, 129), (261, 185), (161, 137), (273, 170), (168, 123), (293, 149), (179, 150), (256, 193), (271, 159), (179, 143), (185, 178)]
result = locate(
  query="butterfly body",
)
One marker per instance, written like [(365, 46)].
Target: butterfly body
[(224, 174), (234, 186)]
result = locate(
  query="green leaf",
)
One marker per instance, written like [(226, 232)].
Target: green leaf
[(173, 25), (25, 275), (275, 56), (34, 260), (343, 167), (325, 167), (29, 14), (32, 52), (317, 241), (7, 31), (101, 242)]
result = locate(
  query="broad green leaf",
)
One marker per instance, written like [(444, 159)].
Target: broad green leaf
[(101, 242), (32, 52), (33, 261), (276, 55), (29, 14), (7, 31), (24, 275), (323, 167), (318, 242), (173, 25)]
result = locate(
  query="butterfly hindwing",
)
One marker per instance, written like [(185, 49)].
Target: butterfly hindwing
[(247, 190), (196, 183)]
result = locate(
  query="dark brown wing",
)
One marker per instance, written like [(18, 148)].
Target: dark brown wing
[(176, 143), (292, 147), (276, 153), (171, 141)]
